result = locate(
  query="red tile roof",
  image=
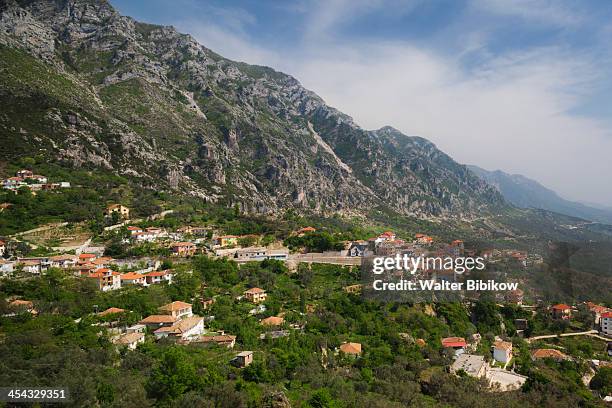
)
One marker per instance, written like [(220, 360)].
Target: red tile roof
[(453, 342), (351, 348)]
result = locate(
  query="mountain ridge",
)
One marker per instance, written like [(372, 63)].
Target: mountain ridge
[(105, 91), (527, 193)]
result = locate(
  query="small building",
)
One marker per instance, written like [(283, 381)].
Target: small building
[(157, 321), (119, 209), (357, 248), (185, 329), (502, 351), (597, 311), (561, 311), (106, 279), (177, 309), (86, 258), (133, 278), (260, 254), (110, 311), (63, 261), (243, 359), (385, 236), (153, 278), (272, 321), (472, 365), (144, 236), (24, 173), (183, 249), (2, 247), (353, 288), (457, 344), (351, 349), (21, 306), (226, 240), (130, 340), (606, 323), (423, 239), (548, 353), (306, 230), (221, 340), (137, 328), (256, 295), (521, 324), (134, 230), (33, 266), (6, 267)]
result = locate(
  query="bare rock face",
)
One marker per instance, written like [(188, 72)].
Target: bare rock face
[(276, 400), (148, 102)]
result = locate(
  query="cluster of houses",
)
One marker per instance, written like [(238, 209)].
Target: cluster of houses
[(90, 266), (35, 182), (155, 234)]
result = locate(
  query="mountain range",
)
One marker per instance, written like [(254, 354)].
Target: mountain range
[(527, 193), (89, 88)]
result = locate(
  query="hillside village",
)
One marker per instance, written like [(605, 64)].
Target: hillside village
[(533, 330)]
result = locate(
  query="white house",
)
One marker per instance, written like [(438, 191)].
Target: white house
[(153, 278), (131, 340), (133, 278), (6, 267), (145, 236), (2, 247), (502, 351), (33, 266), (606, 323), (186, 329), (63, 261)]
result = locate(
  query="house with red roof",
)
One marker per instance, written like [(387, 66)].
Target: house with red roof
[(133, 278), (561, 311), (183, 249), (106, 279), (423, 239), (177, 309), (256, 295), (597, 310), (303, 231), (457, 344), (2, 247), (156, 277), (606, 323), (351, 349)]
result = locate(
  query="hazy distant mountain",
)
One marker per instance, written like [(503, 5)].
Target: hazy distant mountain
[(526, 193)]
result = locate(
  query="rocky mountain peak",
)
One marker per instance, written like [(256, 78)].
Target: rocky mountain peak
[(155, 104)]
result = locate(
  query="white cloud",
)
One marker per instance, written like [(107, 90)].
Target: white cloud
[(557, 12), (509, 115)]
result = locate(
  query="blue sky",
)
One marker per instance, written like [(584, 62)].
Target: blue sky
[(523, 86)]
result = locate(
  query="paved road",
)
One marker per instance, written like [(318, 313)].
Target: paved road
[(316, 258), (591, 333)]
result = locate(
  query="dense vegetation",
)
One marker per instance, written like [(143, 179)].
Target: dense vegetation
[(66, 345)]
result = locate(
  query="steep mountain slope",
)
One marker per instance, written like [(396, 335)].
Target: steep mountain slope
[(526, 193), (88, 87)]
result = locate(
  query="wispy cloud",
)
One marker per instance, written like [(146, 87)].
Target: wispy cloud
[(558, 12)]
